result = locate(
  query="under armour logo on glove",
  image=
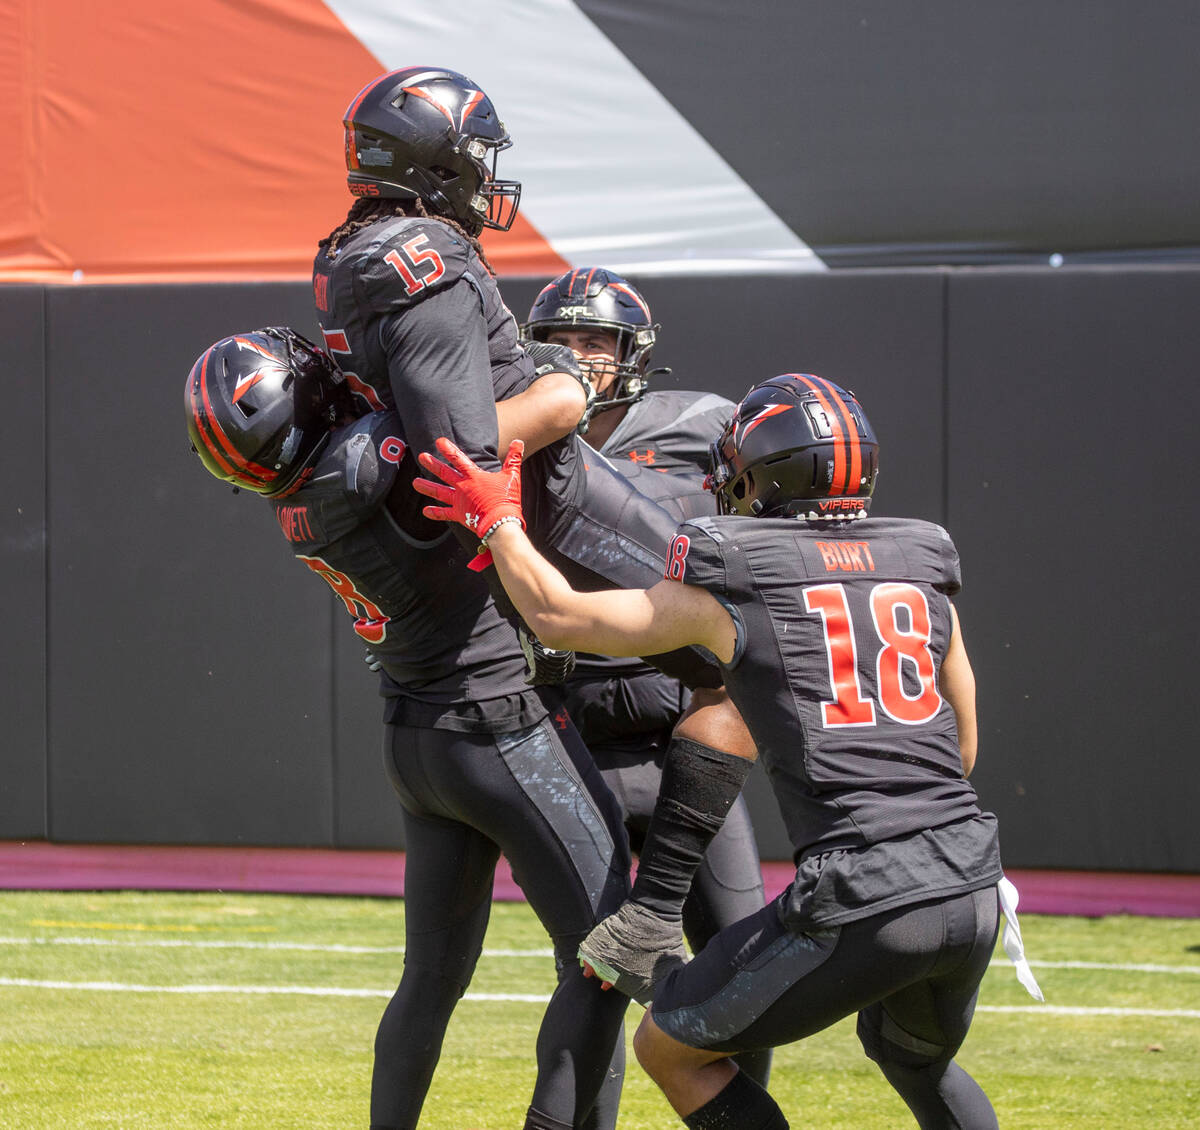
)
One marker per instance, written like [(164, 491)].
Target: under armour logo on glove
[(479, 500)]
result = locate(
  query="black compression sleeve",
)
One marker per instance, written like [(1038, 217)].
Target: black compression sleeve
[(699, 785)]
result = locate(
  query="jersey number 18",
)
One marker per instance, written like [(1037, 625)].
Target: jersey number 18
[(905, 647)]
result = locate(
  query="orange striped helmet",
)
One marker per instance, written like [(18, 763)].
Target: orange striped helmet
[(797, 446), (260, 407)]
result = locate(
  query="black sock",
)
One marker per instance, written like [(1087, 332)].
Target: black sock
[(699, 786), (742, 1105)]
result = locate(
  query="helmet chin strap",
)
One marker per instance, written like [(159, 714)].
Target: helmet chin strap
[(638, 382)]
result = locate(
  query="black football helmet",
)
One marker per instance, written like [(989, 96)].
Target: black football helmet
[(797, 446), (431, 133), (260, 407), (594, 297)]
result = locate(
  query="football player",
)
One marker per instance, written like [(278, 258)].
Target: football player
[(625, 709), (411, 312), (479, 764), (838, 639)]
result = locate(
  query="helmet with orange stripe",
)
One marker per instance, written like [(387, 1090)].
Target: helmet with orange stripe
[(797, 446), (593, 298), (260, 407), (431, 133)]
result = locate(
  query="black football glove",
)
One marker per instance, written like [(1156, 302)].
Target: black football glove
[(372, 661), (549, 358), (543, 665)]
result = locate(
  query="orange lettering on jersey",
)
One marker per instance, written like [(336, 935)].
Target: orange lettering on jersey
[(648, 458), (321, 291), (293, 520), (846, 556), (860, 556)]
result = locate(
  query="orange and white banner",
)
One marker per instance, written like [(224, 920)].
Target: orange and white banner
[(204, 141)]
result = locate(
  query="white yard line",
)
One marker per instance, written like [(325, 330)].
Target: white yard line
[(308, 947), (1081, 1010), (530, 998), (312, 947)]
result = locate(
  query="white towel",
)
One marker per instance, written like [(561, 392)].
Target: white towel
[(1013, 946)]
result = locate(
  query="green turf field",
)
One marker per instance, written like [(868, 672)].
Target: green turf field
[(151, 1010)]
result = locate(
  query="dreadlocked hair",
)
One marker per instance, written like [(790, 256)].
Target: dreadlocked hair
[(367, 211)]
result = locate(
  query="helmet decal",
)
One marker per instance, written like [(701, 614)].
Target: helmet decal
[(749, 425), (471, 103), (473, 100), (248, 380), (633, 295)]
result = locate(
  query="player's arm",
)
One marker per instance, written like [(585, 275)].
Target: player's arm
[(547, 410), (957, 682), (558, 402), (441, 377), (440, 372), (623, 622)]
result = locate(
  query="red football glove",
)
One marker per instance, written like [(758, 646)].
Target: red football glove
[(474, 498)]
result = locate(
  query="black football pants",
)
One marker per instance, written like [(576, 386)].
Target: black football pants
[(912, 974), (535, 795)]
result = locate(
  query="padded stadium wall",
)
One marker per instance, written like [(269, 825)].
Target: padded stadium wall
[(169, 675)]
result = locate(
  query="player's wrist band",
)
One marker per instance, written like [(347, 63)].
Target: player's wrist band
[(483, 539)]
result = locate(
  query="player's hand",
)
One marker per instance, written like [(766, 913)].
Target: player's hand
[(548, 358), (544, 666), (472, 497)]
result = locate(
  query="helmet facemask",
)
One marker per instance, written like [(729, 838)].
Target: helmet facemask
[(495, 201), (593, 298)]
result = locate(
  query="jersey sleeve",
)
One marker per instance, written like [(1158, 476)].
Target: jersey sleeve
[(440, 373), (700, 423), (413, 260), (373, 454), (696, 557), (948, 567)]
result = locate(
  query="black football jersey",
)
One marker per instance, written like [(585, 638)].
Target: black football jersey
[(661, 447), (404, 582), (416, 322), (669, 431), (841, 634)]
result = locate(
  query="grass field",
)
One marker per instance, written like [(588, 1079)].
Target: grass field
[(189, 1011)]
